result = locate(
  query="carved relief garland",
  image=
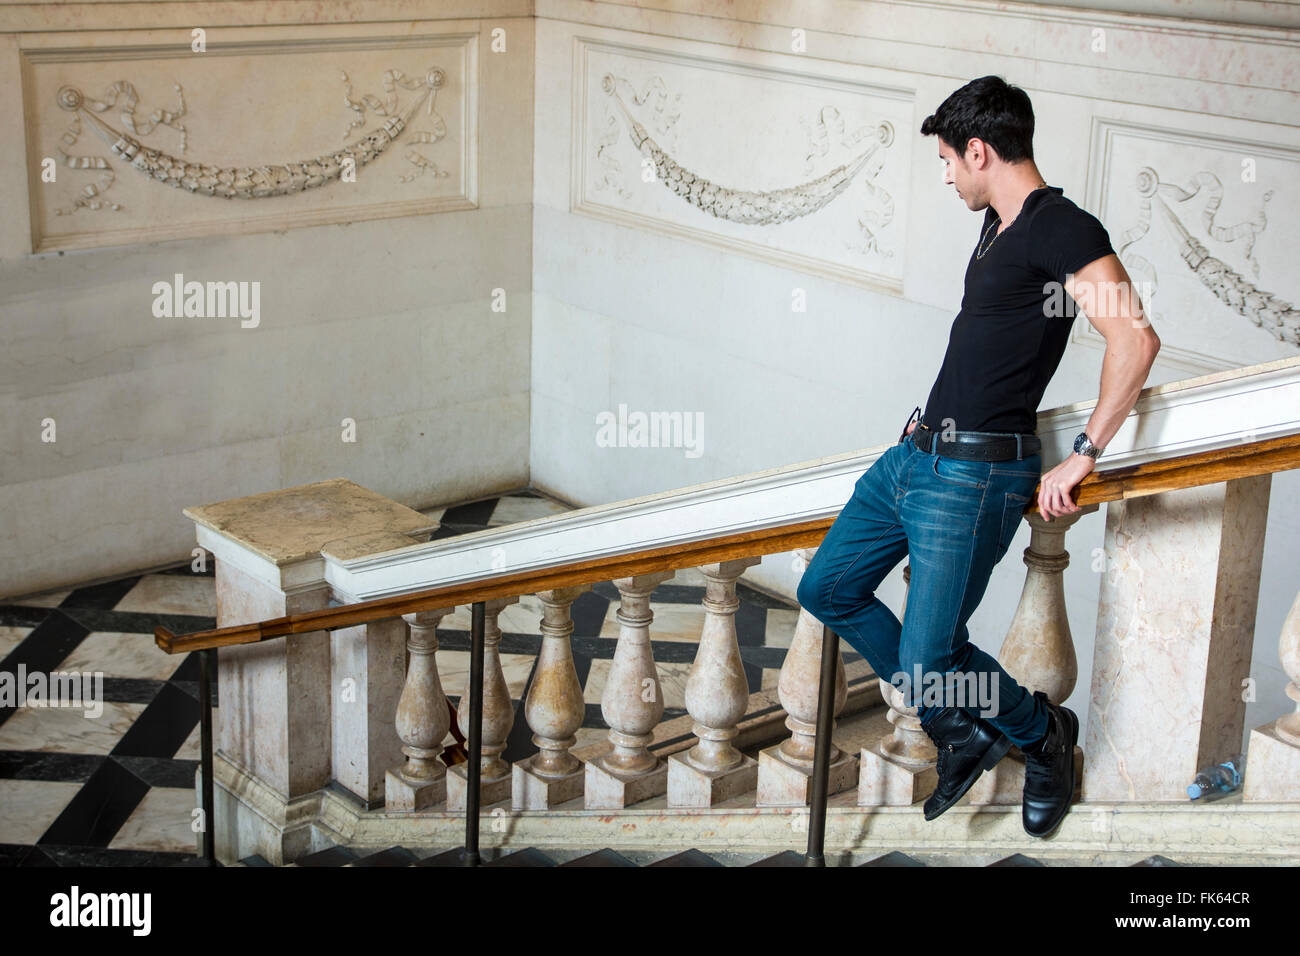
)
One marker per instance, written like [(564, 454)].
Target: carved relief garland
[(246, 182), (1277, 317), (750, 206)]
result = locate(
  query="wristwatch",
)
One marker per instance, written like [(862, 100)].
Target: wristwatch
[(1083, 446)]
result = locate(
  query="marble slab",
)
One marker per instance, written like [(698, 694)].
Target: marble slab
[(28, 807), (171, 594), (161, 821), (293, 524), (68, 729), (122, 655)]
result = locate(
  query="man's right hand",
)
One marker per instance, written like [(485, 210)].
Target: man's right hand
[(912, 427)]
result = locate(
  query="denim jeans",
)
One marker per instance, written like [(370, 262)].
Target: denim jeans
[(954, 520)]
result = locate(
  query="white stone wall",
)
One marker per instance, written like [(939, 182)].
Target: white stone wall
[(376, 296), (645, 301)]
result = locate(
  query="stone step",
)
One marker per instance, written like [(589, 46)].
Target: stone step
[(606, 856), (894, 858), (529, 856), (785, 858)]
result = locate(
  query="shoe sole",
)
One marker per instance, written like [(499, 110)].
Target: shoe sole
[(997, 750), (1074, 740)]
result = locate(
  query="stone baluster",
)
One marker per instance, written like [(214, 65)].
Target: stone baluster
[(898, 769), (554, 709), (1038, 650), (632, 703), (498, 718), (1273, 764), (785, 769), (717, 696), (422, 721)]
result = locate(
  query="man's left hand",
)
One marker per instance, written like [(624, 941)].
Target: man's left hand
[(1055, 486)]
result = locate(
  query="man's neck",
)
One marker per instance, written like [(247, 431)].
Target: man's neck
[(1007, 197)]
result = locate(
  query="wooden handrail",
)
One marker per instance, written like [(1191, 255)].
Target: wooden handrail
[(1280, 453)]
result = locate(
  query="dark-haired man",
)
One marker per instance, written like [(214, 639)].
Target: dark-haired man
[(950, 495)]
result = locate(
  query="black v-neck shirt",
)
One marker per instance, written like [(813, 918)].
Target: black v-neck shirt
[(1008, 338)]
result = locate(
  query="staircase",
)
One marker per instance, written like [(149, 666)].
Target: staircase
[(532, 856)]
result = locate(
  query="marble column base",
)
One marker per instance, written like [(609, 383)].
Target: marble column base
[(885, 781), (605, 790), (532, 791), (489, 791), (252, 818), (401, 794), (781, 784), (1004, 785), (689, 786), (1272, 767)]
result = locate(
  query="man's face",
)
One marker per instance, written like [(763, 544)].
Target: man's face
[(958, 172)]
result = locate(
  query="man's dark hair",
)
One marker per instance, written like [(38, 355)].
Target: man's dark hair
[(990, 109)]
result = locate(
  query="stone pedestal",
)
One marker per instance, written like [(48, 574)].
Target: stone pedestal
[(898, 769), (277, 722), (1272, 767), (782, 784), (604, 789), (490, 791), (1273, 754), (531, 790), (885, 782), (1175, 627), (692, 786), (405, 795)]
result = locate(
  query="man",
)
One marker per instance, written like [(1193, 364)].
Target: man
[(950, 495)]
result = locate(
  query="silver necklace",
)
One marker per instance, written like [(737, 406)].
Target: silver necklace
[(981, 249)]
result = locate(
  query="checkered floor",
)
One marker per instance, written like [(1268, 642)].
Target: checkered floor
[(118, 788)]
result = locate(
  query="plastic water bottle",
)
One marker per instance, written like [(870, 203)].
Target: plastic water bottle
[(1218, 780)]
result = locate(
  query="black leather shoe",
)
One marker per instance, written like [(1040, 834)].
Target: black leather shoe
[(1049, 771), (967, 747)]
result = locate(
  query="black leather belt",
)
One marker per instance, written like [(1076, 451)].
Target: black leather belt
[(976, 446)]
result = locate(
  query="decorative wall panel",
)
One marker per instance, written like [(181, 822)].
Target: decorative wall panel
[(156, 142), (1200, 223), (792, 168)]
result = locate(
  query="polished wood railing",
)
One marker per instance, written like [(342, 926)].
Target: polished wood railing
[(1278, 453)]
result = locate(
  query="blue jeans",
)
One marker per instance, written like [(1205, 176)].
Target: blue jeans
[(954, 520)]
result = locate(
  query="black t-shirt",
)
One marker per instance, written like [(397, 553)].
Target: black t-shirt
[(1008, 338)]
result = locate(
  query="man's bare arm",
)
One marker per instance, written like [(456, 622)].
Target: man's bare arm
[(1106, 296)]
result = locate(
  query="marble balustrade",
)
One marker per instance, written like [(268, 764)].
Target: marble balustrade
[(1177, 600)]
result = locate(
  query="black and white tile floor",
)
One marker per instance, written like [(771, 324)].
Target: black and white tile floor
[(118, 788)]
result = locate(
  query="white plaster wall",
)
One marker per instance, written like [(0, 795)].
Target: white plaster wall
[(630, 312), (386, 321)]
